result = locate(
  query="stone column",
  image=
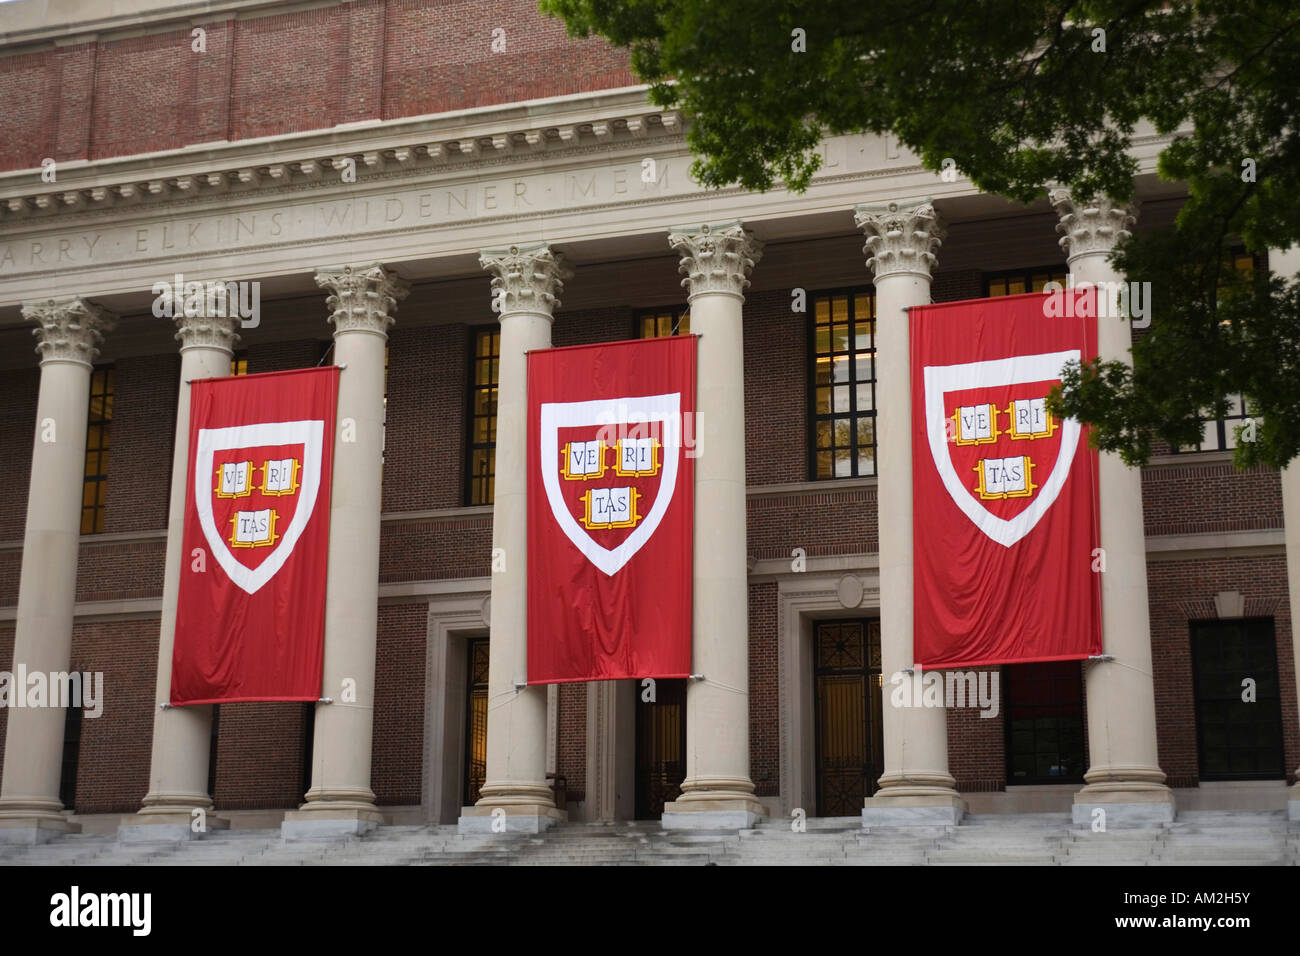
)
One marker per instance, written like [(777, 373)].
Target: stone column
[(182, 736), (916, 787), (1286, 263), (526, 282), (68, 332), (717, 792), (340, 802), (1124, 776)]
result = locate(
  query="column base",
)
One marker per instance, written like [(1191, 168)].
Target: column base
[(176, 826), (711, 815), (511, 818), (1133, 804), (913, 810), (317, 822), (33, 828)]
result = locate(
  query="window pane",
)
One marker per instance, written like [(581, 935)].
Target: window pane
[(843, 464), (840, 337), (865, 367), (822, 341)]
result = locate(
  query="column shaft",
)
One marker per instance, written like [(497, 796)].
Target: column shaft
[(69, 331), (717, 791), (916, 786), (1124, 775), (182, 736), (527, 279), (1286, 263), (340, 801)]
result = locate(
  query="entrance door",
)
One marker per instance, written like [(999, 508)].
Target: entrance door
[(847, 694), (660, 747), (476, 700)]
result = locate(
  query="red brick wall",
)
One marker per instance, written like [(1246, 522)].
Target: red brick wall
[(776, 390), (428, 396), (976, 745), (397, 758), (113, 761), (18, 391), (1204, 497), (571, 740), (592, 325), (835, 520), (282, 356), (289, 72), (127, 569), (260, 756), (764, 694), (954, 286), (6, 664), (142, 440)]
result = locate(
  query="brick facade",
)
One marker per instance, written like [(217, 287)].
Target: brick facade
[(309, 69)]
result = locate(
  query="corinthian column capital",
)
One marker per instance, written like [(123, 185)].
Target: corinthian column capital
[(1094, 227), (362, 297), (716, 257), (207, 332), (526, 278), (902, 237), (68, 330)]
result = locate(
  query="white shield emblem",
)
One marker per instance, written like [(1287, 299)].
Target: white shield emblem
[(661, 410), (301, 482), (940, 381)]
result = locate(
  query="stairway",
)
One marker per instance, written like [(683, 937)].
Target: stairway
[(1204, 837)]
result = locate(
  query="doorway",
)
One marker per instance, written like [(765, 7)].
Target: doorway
[(847, 705), (476, 701), (660, 747)]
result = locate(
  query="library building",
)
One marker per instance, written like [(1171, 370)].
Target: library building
[(197, 194)]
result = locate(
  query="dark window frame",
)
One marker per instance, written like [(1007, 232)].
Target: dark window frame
[(97, 510), (71, 760), (851, 293), (678, 313), (1029, 780), (1263, 621), (469, 787), (1024, 275), (471, 392)]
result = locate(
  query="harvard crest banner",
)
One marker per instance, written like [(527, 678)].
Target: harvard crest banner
[(1005, 507), (610, 508), (250, 621)]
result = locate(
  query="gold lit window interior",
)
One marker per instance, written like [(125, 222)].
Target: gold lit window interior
[(843, 414), (663, 322), (483, 416), (95, 485)]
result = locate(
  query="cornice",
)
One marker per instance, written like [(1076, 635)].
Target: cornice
[(144, 16), (464, 141)]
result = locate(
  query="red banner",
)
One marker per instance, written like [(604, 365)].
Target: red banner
[(250, 622), (1005, 507), (611, 477)]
